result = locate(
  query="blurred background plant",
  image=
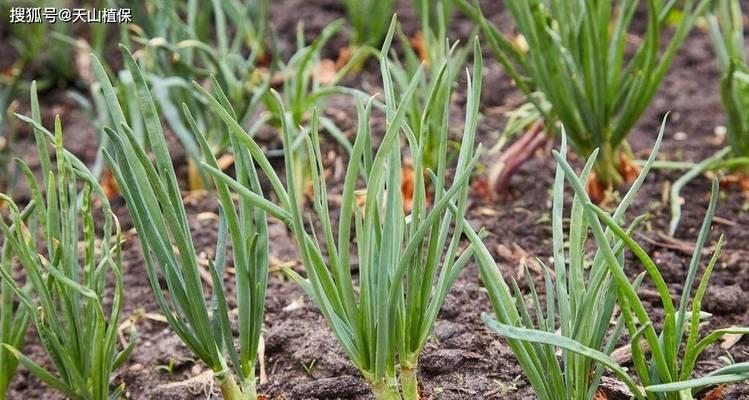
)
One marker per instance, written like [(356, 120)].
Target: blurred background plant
[(726, 23), (370, 20), (726, 28), (307, 81), (576, 54), (35, 55), (442, 62), (7, 133), (189, 41), (434, 13)]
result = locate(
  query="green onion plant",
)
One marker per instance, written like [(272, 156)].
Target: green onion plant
[(407, 263), (153, 198), (676, 348), (14, 318), (580, 300), (66, 287), (579, 58), (667, 373)]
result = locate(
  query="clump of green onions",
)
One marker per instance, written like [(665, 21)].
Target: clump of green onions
[(153, 198), (66, 290), (727, 34), (578, 57), (666, 375), (407, 263), (584, 307)]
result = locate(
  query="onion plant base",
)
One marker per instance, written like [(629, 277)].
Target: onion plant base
[(512, 159), (410, 383), (607, 168), (385, 389), (230, 389), (609, 173)]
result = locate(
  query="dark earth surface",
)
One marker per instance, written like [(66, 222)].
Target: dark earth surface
[(464, 359)]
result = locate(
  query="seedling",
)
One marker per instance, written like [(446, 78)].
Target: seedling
[(309, 367), (577, 57), (407, 263), (167, 368), (66, 288), (153, 198)]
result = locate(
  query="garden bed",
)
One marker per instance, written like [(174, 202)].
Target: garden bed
[(464, 359)]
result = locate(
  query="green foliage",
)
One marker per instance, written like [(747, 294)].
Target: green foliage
[(443, 64), (7, 133), (578, 57), (667, 374), (183, 42), (33, 57), (14, 318), (667, 371), (304, 90), (433, 13), (584, 306), (370, 19), (407, 263), (33, 54), (727, 34), (153, 198), (66, 290)]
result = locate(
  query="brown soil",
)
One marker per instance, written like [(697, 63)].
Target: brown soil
[(464, 360)]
